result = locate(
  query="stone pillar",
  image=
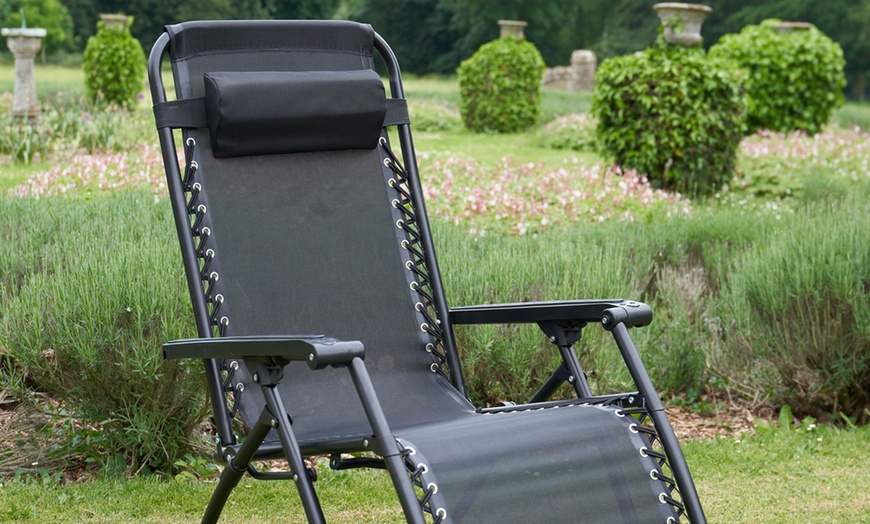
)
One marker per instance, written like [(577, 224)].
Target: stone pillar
[(692, 16), (24, 44), (584, 64), (512, 28)]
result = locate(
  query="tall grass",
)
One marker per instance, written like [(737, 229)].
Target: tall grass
[(800, 304), (678, 265), (89, 289)]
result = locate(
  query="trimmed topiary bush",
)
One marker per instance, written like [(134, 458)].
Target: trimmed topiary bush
[(794, 80), (114, 65), (673, 113), (500, 86)]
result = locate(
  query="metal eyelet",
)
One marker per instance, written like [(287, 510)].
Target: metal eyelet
[(662, 498), (441, 512), (225, 321), (214, 276), (433, 368), (653, 474), (387, 162), (234, 365), (643, 452), (219, 298), (396, 203), (209, 252), (240, 387), (430, 347), (190, 142), (433, 487), (633, 428)]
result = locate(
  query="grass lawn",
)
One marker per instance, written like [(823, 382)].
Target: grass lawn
[(805, 475), (50, 79)]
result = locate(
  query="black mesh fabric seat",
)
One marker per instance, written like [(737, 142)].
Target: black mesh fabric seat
[(321, 313)]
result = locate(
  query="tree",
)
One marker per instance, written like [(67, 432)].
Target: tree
[(305, 9), (48, 14)]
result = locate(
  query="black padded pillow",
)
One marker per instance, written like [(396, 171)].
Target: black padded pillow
[(264, 113)]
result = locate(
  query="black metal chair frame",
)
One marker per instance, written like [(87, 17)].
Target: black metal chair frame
[(266, 356)]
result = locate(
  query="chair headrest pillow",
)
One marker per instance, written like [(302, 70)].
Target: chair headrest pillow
[(264, 113)]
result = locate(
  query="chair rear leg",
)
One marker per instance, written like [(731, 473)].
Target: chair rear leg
[(236, 466)]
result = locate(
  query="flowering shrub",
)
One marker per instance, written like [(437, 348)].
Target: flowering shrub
[(527, 198), (829, 165), (575, 132), (432, 116), (68, 123), (99, 172)]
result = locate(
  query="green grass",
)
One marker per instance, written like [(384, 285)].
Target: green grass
[(50, 79), (854, 114), (12, 174), (361, 496), (817, 475), (801, 476)]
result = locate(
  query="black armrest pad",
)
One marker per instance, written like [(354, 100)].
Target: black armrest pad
[(271, 112), (633, 314), (319, 351)]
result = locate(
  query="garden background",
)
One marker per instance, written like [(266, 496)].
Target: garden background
[(759, 289)]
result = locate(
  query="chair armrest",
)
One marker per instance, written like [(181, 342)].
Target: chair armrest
[(608, 312), (319, 351)]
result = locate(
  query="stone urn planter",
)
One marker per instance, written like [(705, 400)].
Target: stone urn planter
[(682, 22), (114, 21), (788, 27), (24, 43), (512, 28)]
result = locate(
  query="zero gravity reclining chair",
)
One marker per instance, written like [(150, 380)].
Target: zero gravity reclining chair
[(304, 238)]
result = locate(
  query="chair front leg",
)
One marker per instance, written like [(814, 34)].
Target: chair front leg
[(389, 447)]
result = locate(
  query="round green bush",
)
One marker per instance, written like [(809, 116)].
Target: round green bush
[(114, 65), (673, 113), (794, 80), (500, 86)]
